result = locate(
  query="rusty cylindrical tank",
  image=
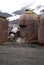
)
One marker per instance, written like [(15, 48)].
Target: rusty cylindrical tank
[(3, 29), (41, 30), (28, 22)]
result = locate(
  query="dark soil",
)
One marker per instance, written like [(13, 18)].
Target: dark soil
[(21, 54)]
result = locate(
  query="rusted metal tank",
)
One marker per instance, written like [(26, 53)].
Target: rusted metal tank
[(3, 29), (41, 30), (28, 23)]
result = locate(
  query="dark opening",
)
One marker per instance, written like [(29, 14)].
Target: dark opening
[(22, 26)]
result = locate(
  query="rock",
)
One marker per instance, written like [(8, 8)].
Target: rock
[(20, 40)]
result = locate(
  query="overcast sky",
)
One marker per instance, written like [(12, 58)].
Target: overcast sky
[(10, 6)]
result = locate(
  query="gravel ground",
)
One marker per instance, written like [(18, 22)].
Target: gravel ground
[(26, 54)]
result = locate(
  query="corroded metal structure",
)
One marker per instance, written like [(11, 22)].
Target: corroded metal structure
[(41, 30), (3, 29), (29, 25)]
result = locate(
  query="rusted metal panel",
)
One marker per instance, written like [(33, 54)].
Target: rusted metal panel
[(28, 32), (3, 30), (41, 30), (25, 19)]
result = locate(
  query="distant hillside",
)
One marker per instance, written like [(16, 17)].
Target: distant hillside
[(5, 14), (14, 21), (19, 12)]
